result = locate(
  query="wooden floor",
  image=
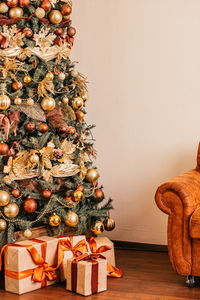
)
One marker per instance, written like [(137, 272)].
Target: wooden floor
[(148, 276)]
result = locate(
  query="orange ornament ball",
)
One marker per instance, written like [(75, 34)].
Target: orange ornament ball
[(30, 126), (46, 5), (12, 3), (28, 32), (71, 31), (17, 85), (66, 10), (46, 194), (80, 115), (59, 31), (4, 149), (30, 205), (71, 130), (24, 3), (43, 127), (99, 194), (80, 188), (16, 193)]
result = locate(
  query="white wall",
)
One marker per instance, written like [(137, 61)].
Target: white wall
[(142, 58)]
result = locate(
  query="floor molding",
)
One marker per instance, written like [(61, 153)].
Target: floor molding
[(140, 246)]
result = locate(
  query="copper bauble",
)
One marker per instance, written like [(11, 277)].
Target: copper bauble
[(55, 16), (16, 12), (40, 13), (54, 220), (3, 224), (4, 148), (3, 8), (71, 130), (71, 31), (4, 198), (77, 196), (24, 3), (30, 102), (18, 101), (46, 194), (49, 76), (46, 5), (66, 9), (30, 205), (4, 102), (28, 233), (65, 100), (92, 175), (63, 129), (109, 224), (34, 159), (28, 32), (11, 210), (61, 76), (98, 193), (43, 128), (71, 219), (77, 103), (80, 115), (48, 103), (97, 228), (80, 188), (27, 79), (17, 85), (30, 126), (12, 3), (59, 31), (84, 96), (16, 193)]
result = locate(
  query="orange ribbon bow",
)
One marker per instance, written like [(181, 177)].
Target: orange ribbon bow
[(67, 245), (113, 271), (40, 273)]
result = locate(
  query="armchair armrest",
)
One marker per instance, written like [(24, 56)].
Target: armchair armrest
[(179, 198)]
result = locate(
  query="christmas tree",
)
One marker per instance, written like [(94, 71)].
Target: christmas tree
[(46, 147)]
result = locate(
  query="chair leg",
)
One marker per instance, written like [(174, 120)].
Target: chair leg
[(190, 281)]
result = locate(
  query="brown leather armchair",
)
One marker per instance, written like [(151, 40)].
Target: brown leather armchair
[(180, 199)]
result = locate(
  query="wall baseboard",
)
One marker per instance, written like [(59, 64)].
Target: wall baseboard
[(140, 246)]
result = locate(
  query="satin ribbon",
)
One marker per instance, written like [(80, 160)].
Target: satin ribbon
[(113, 271), (67, 245), (94, 276), (56, 118), (40, 273)]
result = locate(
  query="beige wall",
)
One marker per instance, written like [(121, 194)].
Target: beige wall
[(142, 58)]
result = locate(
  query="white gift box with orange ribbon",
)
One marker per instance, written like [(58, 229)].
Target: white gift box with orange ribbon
[(31, 264)]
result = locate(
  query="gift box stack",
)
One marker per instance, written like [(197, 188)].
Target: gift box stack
[(36, 263)]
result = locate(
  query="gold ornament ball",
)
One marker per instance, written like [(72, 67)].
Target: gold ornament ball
[(49, 76), (54, 220), (74, 73), (85, 97), (30, 102), (92, 175), (27, 79), (48, 103), (46, 5), (109, 224), (4, 198), (12, 3), (55, 16), (40, 13), (11, 210), (18, 101), (16, 12), (71, 219), (3, 8), (61, 76), (17, 85), (77, 103), (4, 102), (3, 224), (77, 196), (34, 159), (65, 100), (28, 233), (97, 228)]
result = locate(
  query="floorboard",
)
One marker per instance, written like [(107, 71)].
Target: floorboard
[(147, 276)]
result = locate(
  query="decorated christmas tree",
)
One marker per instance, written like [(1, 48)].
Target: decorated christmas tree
[(46, 147)]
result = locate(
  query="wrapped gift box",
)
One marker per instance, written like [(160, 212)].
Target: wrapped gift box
[(86, 277), (104, 246), (23, 273), (71, 246)]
